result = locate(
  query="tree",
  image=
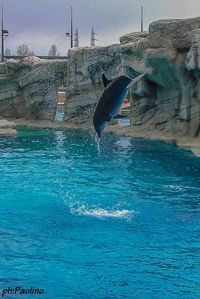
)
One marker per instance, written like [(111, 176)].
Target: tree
[(31, 53), (53, 50), (7, 52), (23, 50)]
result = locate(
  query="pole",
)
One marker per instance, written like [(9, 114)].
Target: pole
[(2, 38), (142, 19), (72, 34)]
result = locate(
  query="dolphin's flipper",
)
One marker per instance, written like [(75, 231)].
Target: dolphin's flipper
[(108, 118), (106, 81), (135, 80)]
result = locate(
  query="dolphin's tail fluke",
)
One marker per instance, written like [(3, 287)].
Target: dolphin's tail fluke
[(135, 80)]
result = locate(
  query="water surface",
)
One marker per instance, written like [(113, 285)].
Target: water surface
[(122, 222)]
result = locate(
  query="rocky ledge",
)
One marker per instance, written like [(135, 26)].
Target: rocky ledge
[(7, 128)]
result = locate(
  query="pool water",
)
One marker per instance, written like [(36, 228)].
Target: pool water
[(118, 221)]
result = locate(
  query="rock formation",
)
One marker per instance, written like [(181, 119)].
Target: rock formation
[(169, 96), (7, 128), (29, 88), (167, 99)]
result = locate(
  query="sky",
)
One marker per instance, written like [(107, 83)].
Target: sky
[(41, 23)]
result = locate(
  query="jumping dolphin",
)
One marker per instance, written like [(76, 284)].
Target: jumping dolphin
[(111, 99)]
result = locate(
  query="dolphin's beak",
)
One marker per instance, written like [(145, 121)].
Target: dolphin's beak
[(135, 80), (99, 126), (98, 131)]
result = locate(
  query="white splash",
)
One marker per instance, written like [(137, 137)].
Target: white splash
[(96, 140), (83, 210), (98, 145)]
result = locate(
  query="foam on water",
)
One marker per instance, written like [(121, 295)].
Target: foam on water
[(96, 140), (84, 210)]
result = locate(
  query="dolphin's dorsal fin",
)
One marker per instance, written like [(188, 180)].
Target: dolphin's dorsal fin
[(106, 81)]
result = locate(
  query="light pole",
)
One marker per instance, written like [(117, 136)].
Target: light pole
[(142, 19), (71, 34), (4, 34)]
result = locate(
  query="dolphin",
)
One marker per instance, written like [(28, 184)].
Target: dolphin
[(111, 99)]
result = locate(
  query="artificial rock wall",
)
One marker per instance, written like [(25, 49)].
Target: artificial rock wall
[(168, 98), (29, 88)]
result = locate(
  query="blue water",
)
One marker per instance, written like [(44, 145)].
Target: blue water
[(121, 221)]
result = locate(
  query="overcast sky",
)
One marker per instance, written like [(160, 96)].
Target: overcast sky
[(40, 23)]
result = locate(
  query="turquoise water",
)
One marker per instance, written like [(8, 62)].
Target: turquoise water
[(122, 221)]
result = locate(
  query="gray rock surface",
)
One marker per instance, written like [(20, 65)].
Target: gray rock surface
[(7, 128), (133, 37), (167, 99), (29, 88), (173, 33)]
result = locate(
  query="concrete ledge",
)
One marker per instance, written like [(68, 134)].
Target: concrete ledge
[(7, 128)]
